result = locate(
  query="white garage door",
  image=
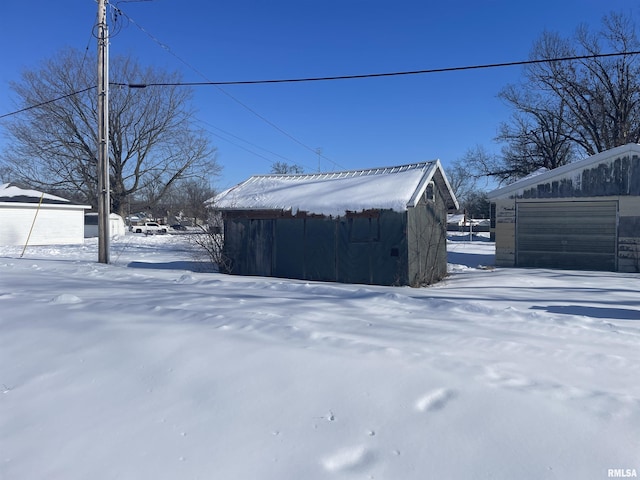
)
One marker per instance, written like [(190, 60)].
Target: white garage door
[(568, 235)]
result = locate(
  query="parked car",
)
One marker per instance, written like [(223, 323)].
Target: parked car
[(148, 228), (179, 227)]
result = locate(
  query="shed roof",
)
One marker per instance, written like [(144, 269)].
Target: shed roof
[(395, 188), (564, 171)]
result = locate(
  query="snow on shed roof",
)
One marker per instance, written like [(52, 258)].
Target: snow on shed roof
[(11, 193), (394, 188)]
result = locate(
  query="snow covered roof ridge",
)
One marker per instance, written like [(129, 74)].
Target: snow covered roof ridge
[(12, 193), (334, 193), (349, 173)]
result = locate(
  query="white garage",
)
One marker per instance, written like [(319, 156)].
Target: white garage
[(37, 218)]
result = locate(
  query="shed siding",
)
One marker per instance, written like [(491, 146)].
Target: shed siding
[(427, 234), (320, 249), (365, 248)]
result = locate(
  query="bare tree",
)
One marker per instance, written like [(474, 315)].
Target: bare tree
[(566, 109), (189, 200), (152, 141), (537, 137), (462, 175), (286, 168)]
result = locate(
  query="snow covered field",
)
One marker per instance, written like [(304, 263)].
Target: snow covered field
[(150, 368)]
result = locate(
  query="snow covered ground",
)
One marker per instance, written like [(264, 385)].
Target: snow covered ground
[(151, 368)]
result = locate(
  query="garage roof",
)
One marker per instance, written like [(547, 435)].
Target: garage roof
[(566, 171), (11, 193)]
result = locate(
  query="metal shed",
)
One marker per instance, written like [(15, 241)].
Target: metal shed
[(585, 215), (384, 226)]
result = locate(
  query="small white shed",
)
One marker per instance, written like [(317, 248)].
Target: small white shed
[(38, 217), (116, 225)]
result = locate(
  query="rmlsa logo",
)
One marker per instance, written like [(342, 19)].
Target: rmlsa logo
[(622, 473)]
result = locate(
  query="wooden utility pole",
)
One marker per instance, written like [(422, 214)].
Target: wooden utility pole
[(104, 197)]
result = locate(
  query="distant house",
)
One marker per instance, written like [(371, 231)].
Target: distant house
[(585, 215), (384, 226), (116, 225), (458, 222), (41, 218)]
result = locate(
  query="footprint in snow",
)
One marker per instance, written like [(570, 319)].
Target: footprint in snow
[(352, 458), (186, 279), (65, 299), (435, 400)]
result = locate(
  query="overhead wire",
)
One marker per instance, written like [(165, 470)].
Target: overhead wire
[(84, 57), (221, 90), (208, 124), (383, 74), (86, 49), (329, 78), (47, 102)]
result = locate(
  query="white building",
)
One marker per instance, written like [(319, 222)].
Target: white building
[(37, 218), (116, 225)]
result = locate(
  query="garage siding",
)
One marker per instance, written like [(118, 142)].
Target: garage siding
[(572, 235)]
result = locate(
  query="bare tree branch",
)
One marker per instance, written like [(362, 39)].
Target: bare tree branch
[(151, 137)]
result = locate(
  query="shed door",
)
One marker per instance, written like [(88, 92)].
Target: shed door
[(569, 235)]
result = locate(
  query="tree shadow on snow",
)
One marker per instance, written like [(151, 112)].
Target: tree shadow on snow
[(611, 313)]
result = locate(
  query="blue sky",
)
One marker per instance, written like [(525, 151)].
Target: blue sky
[(357, 123)]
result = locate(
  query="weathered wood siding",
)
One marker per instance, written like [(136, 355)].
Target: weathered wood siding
[(427, 236), (366, 247)]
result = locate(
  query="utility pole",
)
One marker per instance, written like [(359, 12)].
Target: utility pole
[(319, 152), (104, 197)]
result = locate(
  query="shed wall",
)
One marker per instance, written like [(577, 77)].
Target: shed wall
[(368, 247), (427, 236)]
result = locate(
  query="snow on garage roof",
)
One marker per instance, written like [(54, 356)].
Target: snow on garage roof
[(10, 193), (565, 171), (394, 188)]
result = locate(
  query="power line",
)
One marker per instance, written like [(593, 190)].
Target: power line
[(271, 161), (47, 102), (377, 75), (243, 105), (330, 78)]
